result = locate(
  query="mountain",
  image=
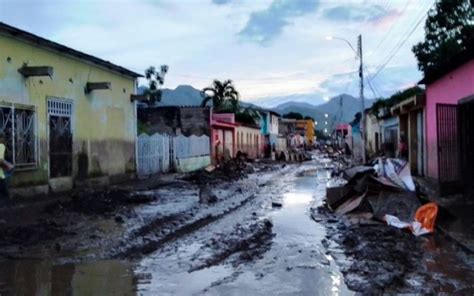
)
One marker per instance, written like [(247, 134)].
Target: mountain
[(183, 95), (271, 102), (341, 108)]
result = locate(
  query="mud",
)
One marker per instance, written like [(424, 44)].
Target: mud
[(250, 241), (375, 258), (99, 202)]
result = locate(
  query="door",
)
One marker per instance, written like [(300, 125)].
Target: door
[(60, 138), (466, 136), (448, 149)]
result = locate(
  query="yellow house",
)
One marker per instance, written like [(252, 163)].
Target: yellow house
[(306, 125), (67, 117)]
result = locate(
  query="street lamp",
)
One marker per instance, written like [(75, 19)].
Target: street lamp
[(361, 76)]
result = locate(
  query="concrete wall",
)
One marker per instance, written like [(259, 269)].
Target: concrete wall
[(103, 122), (174, 120), (250, 140), (184, 165), (449, 89), (372, 131)]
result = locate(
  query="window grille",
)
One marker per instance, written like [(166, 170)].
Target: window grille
[(18, 124)]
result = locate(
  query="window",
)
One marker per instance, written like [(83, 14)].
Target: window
[(18, 124)]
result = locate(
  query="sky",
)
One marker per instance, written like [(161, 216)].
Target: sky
[(269, 48)]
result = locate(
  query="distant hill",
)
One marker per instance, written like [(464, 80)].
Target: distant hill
[(183, 95), (341, 108)]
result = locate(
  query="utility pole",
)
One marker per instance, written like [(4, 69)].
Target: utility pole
[(362, 104)]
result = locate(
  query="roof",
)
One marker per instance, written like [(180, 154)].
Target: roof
[(452, 64), (40, 41), (260, 109)]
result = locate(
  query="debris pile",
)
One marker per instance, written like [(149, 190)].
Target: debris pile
[(231, 170), (360, 202), (383, 190)]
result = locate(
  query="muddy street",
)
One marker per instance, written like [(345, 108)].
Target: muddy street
[(267, 234)]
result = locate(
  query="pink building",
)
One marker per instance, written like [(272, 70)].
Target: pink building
[(222, 136), (448, 90)]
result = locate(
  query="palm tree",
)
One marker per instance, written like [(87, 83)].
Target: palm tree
[(223, 95)]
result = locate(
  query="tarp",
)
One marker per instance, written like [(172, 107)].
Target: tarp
[(396, 170)]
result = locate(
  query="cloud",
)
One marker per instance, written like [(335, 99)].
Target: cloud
[(264, 26), (357, 13), (221, 2)]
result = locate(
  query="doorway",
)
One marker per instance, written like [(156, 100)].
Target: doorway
[(60, 138)]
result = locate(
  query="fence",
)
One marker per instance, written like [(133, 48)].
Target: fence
[(160, 153)]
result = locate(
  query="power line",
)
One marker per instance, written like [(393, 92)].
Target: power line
[(400, 44), (391, 28)]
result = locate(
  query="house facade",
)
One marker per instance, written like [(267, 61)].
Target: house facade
[(222, 136), (411, 114), (249, 140), (449, 93), (269, 129), (66, 116)]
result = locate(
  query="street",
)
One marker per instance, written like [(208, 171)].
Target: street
[(266, 242)]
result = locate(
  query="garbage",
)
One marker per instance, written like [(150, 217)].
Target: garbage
[(210, 168), (350, 205), (337, 192), (400, 204), (424, 220), (396, 170), (354, 173), (426, 215), (384, 191)]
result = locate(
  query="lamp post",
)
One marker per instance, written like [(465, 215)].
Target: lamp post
[(361, 76)]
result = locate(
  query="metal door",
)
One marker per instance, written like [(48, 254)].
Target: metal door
[(448, 148)]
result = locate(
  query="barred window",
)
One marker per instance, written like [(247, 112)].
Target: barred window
[(18, 124)]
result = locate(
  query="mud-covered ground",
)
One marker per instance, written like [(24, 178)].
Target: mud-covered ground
[(268, 233)]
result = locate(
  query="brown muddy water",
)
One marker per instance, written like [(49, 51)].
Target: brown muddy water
[(295, 263)]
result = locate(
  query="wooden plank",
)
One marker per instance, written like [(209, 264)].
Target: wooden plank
[(28, 71)]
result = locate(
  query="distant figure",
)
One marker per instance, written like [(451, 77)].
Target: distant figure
[(403, 148), (5, 167)]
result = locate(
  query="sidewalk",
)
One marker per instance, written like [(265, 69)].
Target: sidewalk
[(457, 221)]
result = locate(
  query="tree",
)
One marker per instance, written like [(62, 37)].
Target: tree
[(155, 80), (309, 117), (448, 29), (223, 95), (226, 99), (293, 115)]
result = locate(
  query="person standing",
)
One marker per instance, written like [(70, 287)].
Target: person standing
[(5, 167)]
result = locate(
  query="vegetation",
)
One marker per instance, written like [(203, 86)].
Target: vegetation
[(293, 115), (226, 99), (448, 30), (309, 117), (381, 103), (155, 80)]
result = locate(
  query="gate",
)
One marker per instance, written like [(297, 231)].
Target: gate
[(60, 138), (466, 138), (448, 149)]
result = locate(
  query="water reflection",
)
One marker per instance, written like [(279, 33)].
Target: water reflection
[(30, 277)]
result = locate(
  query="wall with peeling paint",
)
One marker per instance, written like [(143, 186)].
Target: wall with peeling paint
[(104, 121)]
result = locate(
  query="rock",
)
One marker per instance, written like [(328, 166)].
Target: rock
[(276, 204), (206, 196), (119, 219)]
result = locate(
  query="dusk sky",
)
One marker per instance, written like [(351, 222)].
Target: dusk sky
[(268, 47)]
